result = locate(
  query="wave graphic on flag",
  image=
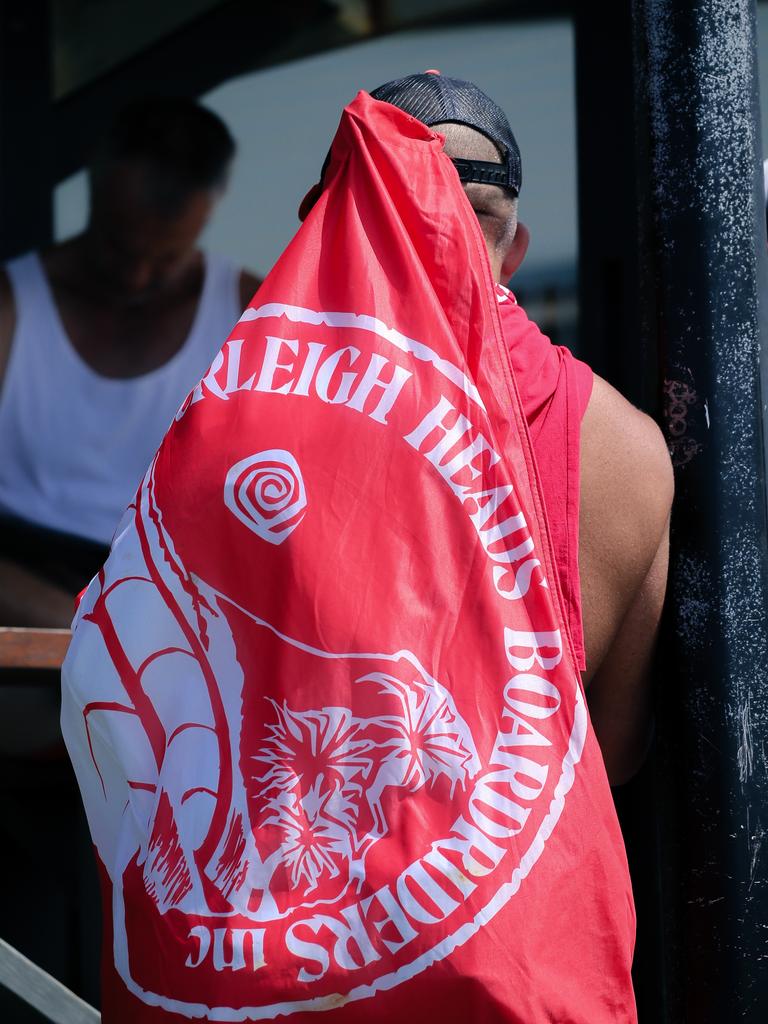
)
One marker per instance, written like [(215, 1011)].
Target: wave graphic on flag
[(320, 773)]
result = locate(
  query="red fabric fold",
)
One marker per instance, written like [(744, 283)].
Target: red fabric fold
[(555, 389)]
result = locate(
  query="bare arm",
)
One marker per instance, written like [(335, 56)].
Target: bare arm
[(624, 539), (620, 692)]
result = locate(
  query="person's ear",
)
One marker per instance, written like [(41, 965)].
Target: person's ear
[(516, 252), (309, 201)]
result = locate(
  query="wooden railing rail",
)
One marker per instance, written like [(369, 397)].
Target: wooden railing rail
[(32, 648)]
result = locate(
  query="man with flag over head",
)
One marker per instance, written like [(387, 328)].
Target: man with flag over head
[(326, 699)]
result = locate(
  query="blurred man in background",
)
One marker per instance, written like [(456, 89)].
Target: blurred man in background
[(101, 338)]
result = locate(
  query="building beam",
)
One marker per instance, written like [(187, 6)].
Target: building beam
[(231, 39), (26, 207), (703, 282)]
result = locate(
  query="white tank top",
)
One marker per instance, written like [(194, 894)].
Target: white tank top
[(74, 445)]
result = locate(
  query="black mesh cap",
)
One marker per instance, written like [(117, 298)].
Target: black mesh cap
[(435, 99)]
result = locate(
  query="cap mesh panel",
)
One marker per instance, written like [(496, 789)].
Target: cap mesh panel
[(434, 99)]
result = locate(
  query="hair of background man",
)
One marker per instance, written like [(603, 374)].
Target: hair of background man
[(187, 146)]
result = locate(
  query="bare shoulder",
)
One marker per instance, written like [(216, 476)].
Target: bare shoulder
[(7, 321), (626, 495), (626, 476), (249, 285)]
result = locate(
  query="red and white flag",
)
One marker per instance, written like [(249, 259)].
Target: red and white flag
[(321, 701)]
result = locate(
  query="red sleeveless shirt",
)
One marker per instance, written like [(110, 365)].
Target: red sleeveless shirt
[(555, 389)]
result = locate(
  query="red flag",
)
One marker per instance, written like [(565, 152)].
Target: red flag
[(322, 700)]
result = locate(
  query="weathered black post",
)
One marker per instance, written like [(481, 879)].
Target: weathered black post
[(704, 276)]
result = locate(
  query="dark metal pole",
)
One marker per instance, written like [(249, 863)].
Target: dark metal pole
[(703, 278), (613, 343)]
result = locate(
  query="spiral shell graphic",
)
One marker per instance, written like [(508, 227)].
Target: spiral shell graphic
[(266, 492)]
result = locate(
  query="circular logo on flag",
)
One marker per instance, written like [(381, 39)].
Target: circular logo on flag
[(266, 493), (314, 770)]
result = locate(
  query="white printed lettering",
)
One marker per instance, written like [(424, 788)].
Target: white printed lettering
[(521, 580), (529, 683), (270, 366), (504, 808), (418, 877), (316, 350), (394, 916), (479, 855), (234, 348), (370, 380), (535, 643), (229, 947), (311, 951), (352, 949), (327, 370), (203, 936)]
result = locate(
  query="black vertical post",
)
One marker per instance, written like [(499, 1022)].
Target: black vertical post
[(704, 276), (26, 159)]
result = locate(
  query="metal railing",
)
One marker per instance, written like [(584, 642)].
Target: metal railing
[(38, 989)]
